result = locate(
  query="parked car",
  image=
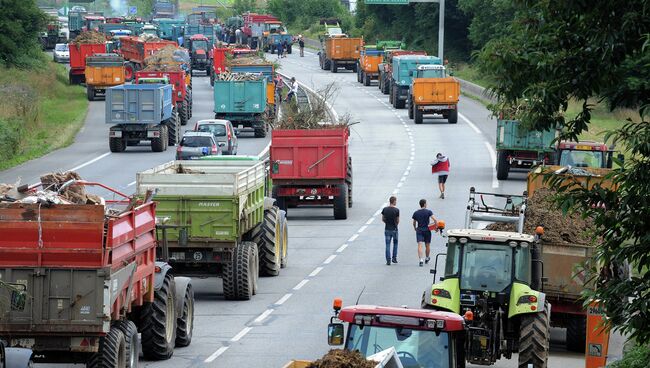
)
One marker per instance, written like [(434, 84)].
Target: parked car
[(223, 132), (195, 145), (61, 53)]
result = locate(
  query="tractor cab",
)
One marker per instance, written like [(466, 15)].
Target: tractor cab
[(431, 71), (493, 279), (150, 29), (421, 338), (585, 154), (199, 52)]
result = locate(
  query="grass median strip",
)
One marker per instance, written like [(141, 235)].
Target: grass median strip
[(39, 112)]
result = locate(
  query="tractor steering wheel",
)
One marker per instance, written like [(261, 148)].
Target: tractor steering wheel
[(406, 358)]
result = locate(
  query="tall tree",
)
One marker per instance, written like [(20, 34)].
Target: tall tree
[(558, 51), (21, 22), (489, 19)]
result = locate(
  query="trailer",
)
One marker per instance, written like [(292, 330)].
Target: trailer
[(386, 67), (433, 91), (181, 90), (403, 70), (522, 148), (368, 66), (339, 51), (244, 103), (165, 27), (78, 54), (84, 283), (142, 112), (217, 220), (312, 167), (136, 50), (103, 71), (220, 56)]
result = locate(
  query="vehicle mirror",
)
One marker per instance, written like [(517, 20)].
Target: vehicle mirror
[(442, 278), (335, 334)]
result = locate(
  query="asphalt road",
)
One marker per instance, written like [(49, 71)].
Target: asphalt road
[(327, 258)]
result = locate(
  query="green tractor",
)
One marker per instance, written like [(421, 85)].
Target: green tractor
[(494, 279)]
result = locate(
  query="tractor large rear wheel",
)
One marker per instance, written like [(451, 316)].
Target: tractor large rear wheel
[(534, 337), (268, 237), (503, 167), (341, 203), (158, 323)]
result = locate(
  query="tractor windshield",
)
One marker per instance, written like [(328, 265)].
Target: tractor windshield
[(581, 158), (200, 44), (415, 348), (486, 267), (432, 73)]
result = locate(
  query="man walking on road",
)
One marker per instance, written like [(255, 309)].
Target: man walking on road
[(421, 220), (390, 217), (440, 166), (301, 43)]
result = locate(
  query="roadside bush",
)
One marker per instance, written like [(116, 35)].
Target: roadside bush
[(10, 132), (637, 357)]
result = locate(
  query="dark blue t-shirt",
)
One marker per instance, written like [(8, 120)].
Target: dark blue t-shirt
[(422, 217)]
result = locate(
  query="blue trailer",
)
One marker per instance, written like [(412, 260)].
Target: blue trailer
[(404, 68), (142, 112), (243, 103)]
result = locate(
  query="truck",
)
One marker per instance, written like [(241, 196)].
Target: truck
[(339, 51), (165, 8), (181, 90), (312, 167), (419, 337), (142, 112), (93, 308), (403, 69), (135, 50), (78, 54), (52, 34), (103, 71), (433, 91), (199, 48), (386, 67), (254, 27), (220, 56), (368, 66), (494, 279), (520, 147), (243, 102), (217, 220), (165, 27)]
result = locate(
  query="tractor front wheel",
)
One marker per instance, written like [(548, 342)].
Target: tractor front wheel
[(534, 337)]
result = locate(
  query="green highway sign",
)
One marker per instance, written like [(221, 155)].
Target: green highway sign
[(393, 2)]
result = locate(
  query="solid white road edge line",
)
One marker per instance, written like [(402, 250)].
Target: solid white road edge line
[(471, 125), (216, 354), (493, 158)]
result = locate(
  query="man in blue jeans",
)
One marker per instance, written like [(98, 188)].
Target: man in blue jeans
[(421, 220), (390, 217)]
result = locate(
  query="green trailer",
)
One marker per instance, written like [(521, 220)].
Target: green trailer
[(521, 148), (243, 102), (214, 220)]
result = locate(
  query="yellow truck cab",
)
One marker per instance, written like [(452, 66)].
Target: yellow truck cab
[(433, 91)]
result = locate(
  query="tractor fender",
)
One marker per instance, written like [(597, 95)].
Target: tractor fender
[(18, 358), (181, 284), (269, 203), (159, 277)]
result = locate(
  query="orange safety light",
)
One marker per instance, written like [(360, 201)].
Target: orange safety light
[(441, 224), (469, 315), (338, 304)]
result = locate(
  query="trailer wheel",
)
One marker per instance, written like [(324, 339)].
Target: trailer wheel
[(379, 83), (453, 117), (327, 64), (158, 324), (240, 274), (174, 128), (341, 203), (366, 80), (385, 89), (534, 335), (334, 68), (285, 239), (116, 144), (90, 93), (359, 75), (260, 133), (185, 323), (188, 98), (348, 181), (503, 167), (129, 71), (576, 333), (411, 107), (399, 104), (132, 341), (268, 237), (112, 351), (160, 144), (418, 114)]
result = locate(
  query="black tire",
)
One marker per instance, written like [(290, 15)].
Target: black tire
[(158, 322), (576, 333), (279, 201), (284, 258), (399, 104), (503, 167), (327, 64), (410, 106), (240, 275), (90, 93), (182, 114), (534, 337), (385, 89), (131, 340), (160, 144), (354, 68), (359, 75), (116, 144), (267, 236), (173, 129), (391, 97), (418, 115), (366, 80), (334, 68), (341, 203), (260, 133), (379, 82), (348, 181), (112, 351), (453, 117), (188, 97), (185, 323)]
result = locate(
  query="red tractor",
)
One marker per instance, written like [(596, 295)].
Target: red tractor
[(200, 53)]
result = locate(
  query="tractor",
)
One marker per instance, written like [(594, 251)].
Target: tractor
[(494, 280), (200, 53)]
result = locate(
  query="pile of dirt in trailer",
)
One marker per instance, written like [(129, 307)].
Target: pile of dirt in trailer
[(89, 37), (558, 227), (167, 59), (337, 358)]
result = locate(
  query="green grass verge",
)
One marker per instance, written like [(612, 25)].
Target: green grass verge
[(39, 112)]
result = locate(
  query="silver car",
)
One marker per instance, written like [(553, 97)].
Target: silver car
[(223, 132), (195, 145), (61, 53)]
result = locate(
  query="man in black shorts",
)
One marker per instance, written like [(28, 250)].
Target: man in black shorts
[(441, 166), (421, 220)]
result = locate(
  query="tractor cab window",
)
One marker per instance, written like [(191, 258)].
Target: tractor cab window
[(432, 73), (415, 348), (486, 267), (581, 158), (522, 264), (452, 262), (200, 45)]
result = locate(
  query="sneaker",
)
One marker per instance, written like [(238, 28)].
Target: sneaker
[(442, 196), (388, 263), (394, 260), (421, 263), (426, 260)]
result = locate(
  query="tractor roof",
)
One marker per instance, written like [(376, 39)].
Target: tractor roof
[(198, 36), (489, 235), (583, 146), (453, 322)]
